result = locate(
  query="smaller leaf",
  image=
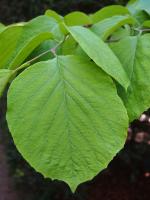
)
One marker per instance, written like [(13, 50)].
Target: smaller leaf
[(109, 11), (136, 5), (120, 33), (55, 15), (107, 26), (43, 47), (134, 55), (2, 27), (19, 40), (146, 23), (141, 16), (69, 46), (77, 18), (99, 52), (5, 76)]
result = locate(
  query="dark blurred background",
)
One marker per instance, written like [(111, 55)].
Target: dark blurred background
[(22, 10), (127, 176)]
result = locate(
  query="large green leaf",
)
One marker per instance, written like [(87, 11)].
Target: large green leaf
[(107, 26), (5, 76), (59, 114), (99, 51), (18, 41), (108, 12), (134, 54)]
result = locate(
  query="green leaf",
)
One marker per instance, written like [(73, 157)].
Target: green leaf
[(18, 41), (120, 33), (2, 27), (141, 16), (146, 23), (108, 12), (107, 26), (55, 15), (137, 5), (69, 46), (59, 114), (43, 47), (77, 18), (134, 54), (139, 10), (99, 52), (5, 76)]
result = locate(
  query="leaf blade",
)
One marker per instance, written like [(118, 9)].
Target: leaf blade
[(70, 148), (136, 60), (106, 27), (77, 18), (18, 41), (5, 76), (100, 53), (108, 12)]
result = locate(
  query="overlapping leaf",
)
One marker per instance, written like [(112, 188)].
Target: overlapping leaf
[(2, 27), (77, 18), (146, 23), (138, 5), (59, 116), (18, 41), (99, 52), (134, 54), (108, 12), (5, 76), (56, 16), (107, 26)]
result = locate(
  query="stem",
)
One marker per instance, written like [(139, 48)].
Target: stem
[(142, 30), (52, 50), (145, 30)]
